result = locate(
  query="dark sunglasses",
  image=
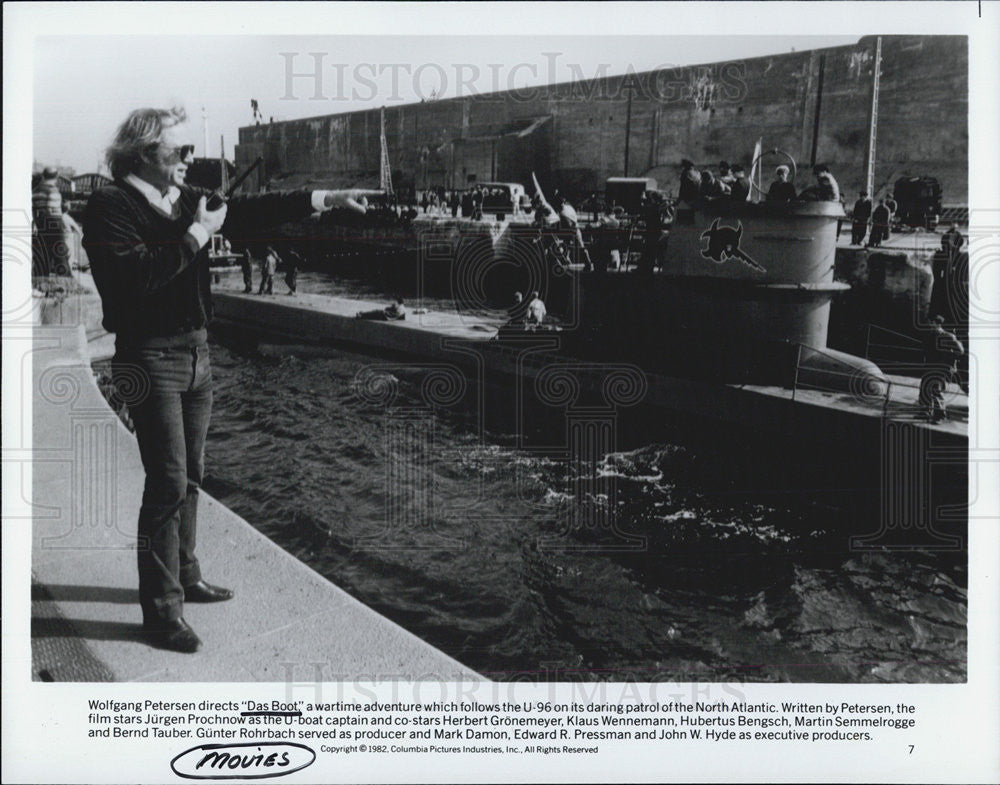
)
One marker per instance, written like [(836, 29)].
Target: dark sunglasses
[(182, 151)]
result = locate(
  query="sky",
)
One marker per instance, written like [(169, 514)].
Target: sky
[(85, 85)]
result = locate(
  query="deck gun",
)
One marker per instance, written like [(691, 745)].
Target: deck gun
[(219, 197)]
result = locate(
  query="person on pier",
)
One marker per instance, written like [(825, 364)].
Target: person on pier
[(880, 225), (268, 266), (147, 236), (50, 246), (893, 205), (569, 224), (608, 251), (654, 238), (246, 267), (292, 272), (949, 291), (859, 221)]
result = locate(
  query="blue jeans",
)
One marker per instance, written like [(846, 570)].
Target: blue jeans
[(167, 385)]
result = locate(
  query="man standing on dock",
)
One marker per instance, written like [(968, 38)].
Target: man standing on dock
[(880, 225), (268, 266), (292, 272), (246, 266), (653, 236), (147, 237), (50, 249), (859, 221), (949, 291), (570, 224)]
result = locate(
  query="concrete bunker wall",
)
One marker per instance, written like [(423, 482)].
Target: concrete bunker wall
[(703, 112)]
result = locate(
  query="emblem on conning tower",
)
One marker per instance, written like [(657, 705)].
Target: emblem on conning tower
[(724, 244)]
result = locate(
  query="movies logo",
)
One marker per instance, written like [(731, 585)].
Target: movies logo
[(242, 761)]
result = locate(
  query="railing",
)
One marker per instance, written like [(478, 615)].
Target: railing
[(88, 183), (798, 364), (915, 346), (951, 213), (893, 402)]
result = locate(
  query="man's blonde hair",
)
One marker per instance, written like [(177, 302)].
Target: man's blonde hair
[(140, 131)]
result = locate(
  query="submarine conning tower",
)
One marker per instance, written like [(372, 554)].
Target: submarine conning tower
[(743, 294)]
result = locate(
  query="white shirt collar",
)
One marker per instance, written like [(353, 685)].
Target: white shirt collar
[(162, 202)]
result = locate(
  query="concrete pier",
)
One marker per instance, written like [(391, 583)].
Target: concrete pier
[(286, 622)]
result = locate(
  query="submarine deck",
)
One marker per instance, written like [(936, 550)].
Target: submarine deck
[(306, 316)]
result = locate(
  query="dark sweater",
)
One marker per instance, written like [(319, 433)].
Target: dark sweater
[(152, 278), (781, 191), (690, 188)]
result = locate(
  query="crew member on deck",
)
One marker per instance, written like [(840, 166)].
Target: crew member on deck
[(781, 190), (825, 188), (394, 312), (941, 352), (147, 236), (690, 187), (740, 186), (536, 311), (726, 176), (712, 187)]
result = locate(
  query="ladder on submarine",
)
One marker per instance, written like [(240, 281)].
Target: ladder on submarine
[(873, 122)]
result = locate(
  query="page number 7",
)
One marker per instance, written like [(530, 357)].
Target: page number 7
[(911, 749)]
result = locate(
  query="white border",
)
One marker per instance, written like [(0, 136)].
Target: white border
[(962, 722)]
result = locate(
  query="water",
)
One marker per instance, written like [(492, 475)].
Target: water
[(473, 552)]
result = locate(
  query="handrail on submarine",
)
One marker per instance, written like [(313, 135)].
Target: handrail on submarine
[(889, 383)]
